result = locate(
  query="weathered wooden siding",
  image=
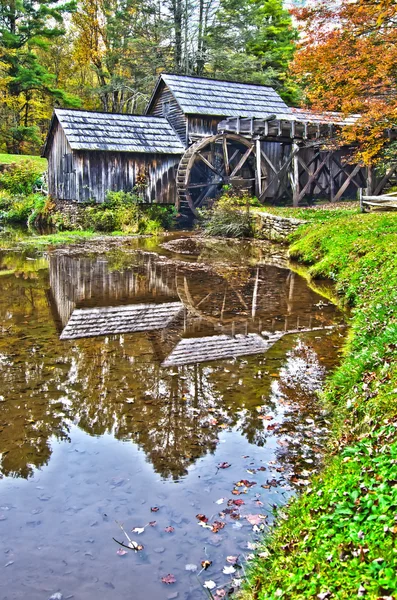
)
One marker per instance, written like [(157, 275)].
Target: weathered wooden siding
[(165, 105), (100, 172), (61, 168), (277, 154), (199, 125)]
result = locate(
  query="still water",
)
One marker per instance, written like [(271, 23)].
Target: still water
[(167, 386)]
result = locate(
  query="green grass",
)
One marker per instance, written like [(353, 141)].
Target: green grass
[(312, 215), (339, 540), (14, 238), (6, 159)]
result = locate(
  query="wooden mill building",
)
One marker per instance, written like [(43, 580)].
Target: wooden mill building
[(196, 136)]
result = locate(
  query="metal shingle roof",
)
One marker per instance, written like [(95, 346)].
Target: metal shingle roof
[(87, 130), (201, 96)]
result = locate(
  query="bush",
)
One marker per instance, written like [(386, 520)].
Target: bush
[(228, 218), (21, 178), (18, 209), (122, 211)]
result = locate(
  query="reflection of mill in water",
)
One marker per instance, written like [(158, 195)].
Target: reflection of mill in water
[(191, 314)]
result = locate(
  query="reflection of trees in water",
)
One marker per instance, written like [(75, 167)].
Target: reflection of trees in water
[(302, 428), (116, 384), (31, 410)]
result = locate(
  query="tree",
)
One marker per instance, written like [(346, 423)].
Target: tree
[(26, 27), (253, 40), (347, 62), (125, 43)]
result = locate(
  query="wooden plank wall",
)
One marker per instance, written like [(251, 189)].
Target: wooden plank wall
[(61, 171), (175, 116), (202, 125), (100, 172)]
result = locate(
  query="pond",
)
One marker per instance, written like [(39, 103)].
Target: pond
[(165, 386)]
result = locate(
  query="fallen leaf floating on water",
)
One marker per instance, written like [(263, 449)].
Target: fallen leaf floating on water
[(246, 483), (237, 502), (169, 529), (255, 519), (138, 530), (220, 501), (210, 585), (152, 523), (228, 570), (224, 465), (168, 579), (206, 564), (191, 567), (217, 526), (154, 509), (232, 559), (121, 552), (202, 518), (220, 593)]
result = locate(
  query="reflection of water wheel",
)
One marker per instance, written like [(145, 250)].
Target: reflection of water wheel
[(209, 164), (223, 303)]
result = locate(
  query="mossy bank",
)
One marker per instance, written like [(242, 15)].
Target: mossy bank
[(339, 538)]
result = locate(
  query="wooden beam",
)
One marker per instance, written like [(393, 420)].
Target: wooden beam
[(278, 173), (295, 178), (241, 161), (385, 179), (347, 182), (205, 161), (312, 178), (225, 155), (258, 168)]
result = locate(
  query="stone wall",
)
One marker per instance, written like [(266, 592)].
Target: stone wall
[(71, 210), (273, 227)]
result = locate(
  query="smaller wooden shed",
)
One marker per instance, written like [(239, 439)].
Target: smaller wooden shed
[(91, 153)]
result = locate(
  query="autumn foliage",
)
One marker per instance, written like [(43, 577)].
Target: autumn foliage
[(347, 61)]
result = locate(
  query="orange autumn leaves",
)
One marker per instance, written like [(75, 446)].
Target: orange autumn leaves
[(347, 61)]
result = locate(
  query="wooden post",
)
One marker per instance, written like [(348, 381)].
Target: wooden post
[(258, 168), (295, 179), (331, 179), (368, 191), (360, 194)]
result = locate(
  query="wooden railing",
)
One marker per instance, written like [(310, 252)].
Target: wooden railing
[(382, 201)]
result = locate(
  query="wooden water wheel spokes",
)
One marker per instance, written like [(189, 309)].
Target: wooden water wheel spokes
[(216, 161)]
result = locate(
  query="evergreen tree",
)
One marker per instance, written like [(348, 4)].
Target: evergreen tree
[(25, 28), (253, 40)]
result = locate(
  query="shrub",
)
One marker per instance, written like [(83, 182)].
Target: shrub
[(21, 178), (18, 209), (228, 218), (123, 211)]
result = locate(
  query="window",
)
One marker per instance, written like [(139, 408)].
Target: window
[(166, 107)]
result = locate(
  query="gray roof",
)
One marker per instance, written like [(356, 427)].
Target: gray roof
[(216, 347), (87, 130), (116, 320), (201, 96)]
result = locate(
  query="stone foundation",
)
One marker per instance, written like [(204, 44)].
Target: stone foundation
[(273, 227), (71, 210)]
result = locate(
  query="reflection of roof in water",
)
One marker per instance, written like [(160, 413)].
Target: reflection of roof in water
[(113, 320), (217, 347)]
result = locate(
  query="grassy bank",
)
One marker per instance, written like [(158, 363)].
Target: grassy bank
[(339, 539), (7, 159)]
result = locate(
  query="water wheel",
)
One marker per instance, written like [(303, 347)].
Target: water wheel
[(216, 161)]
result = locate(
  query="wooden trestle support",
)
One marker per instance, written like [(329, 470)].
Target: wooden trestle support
[(294, 160)]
